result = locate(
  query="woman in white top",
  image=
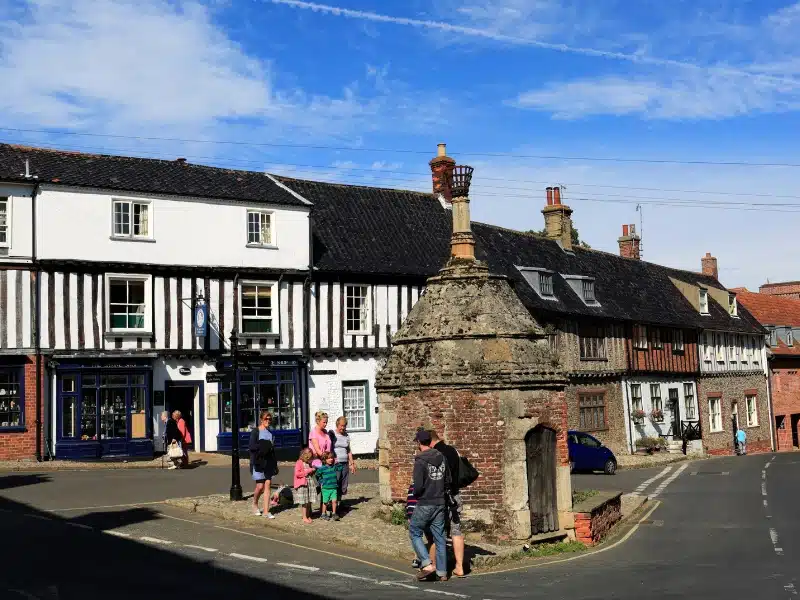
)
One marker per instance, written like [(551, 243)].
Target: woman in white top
[(341, 449)]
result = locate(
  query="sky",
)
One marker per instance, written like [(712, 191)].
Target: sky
[(680, 117)]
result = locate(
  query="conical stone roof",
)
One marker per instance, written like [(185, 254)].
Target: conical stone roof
[(469, 329)]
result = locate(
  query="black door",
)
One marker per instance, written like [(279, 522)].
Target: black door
[(794, 420), (540, 456), (182, 398), (675, 409)]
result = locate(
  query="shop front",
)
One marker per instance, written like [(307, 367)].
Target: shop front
[(276, 385), (103, 409)]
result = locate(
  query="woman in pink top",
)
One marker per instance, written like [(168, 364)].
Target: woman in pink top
[(319, 442), (185, 434)]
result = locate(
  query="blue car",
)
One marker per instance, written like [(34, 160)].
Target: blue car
[(587, 453)]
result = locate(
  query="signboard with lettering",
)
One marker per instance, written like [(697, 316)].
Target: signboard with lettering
[(214, 377), (185, 371), (201, 320)]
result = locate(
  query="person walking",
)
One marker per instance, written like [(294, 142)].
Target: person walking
[(455, 504), (171, 434), (741, 439), (344, 456), (263, 464), (186, 436), (430, 481)]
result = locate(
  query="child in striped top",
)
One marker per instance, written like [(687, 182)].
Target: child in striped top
[(328, 477)]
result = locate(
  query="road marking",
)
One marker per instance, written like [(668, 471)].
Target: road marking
[(311, 549), (765, 503), (773, 535), (647, 482), (203, 548), (161, 514), (398, 584), (790, 588), (117, 533), (620, 541), (349, 576), (443, 593), (248, 557), (153, 540), (766, 466), (81, 525), (300, 567), (764, 488), (55, 510), (663, 485)]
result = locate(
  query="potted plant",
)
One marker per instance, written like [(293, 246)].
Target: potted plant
[(643, 445), (637, 415), (657, 415)]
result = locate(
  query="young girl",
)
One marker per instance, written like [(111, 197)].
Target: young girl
[(303, 483)]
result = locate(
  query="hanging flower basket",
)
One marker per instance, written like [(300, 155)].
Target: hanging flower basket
[(657, 415), (637, 415)]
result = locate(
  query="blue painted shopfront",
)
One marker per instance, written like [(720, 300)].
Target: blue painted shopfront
[(103, 409), (273, 385)]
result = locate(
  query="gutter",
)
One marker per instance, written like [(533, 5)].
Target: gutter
[(38, 315)]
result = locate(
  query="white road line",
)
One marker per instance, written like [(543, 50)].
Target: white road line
[(117, 533), (765, 503), (55, 510), (790, 588), (773, 535), (430, 591), (764, 488), (349, 576), (663, 485), (248, 557), (399, 584), (203, 548), (153, 540), (166, 516), (300, 567), (766, 466), (81, 525), (644, 484)]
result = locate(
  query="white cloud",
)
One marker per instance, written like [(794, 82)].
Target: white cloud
[(669, 96)]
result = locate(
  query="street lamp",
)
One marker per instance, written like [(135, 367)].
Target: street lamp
[(236, 484)]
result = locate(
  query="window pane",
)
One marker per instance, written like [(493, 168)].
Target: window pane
[(247, 407), (69, 416), (225, 398), (89, 414), (118, 291), (354, 405), (122, 218), (4, 221), (68, 383), (10, 399), (138, 422), (286, 411), (113, 416), (140, 220)]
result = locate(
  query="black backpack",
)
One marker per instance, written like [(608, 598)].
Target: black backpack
[(466, 472)]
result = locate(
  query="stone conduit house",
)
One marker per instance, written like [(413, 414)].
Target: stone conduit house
[(780, 315)]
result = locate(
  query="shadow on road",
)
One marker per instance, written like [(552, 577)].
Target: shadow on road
[(55, 559)]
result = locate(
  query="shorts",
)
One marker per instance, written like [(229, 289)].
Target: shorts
[(454, 516), (329, 494)]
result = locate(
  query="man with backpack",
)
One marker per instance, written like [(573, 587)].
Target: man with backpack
[(462, 473)]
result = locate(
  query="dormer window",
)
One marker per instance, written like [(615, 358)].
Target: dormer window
[(588, 290), (703, 301), (546, 284), (733, 307)]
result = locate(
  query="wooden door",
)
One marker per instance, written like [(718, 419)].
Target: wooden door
[(540, 455)]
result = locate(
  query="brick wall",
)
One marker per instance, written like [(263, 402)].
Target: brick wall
[(613, 435), (730, 388), (785, 290), (785, 382), (474, 424), (591, 527), (16, 445)]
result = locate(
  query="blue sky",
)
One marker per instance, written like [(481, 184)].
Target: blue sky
[(336, 91)]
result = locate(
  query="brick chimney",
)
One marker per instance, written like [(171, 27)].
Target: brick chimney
[(557, 219), (439, 166), (710, 265), (629, 242)]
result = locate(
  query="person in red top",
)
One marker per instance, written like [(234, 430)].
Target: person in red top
[(303, 484), (185, 434)]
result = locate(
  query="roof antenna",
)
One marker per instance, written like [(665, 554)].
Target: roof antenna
[(641, 228), (27, 173)]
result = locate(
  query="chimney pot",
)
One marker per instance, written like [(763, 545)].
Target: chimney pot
[(630, 243), (549, 196), (624, 230), (441, 150), (556, 195), (557, 219), (441, 165)]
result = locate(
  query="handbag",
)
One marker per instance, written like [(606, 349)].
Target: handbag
[(466, 472), (175, 450)]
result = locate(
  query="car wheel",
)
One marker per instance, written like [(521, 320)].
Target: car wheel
[(610, 467)]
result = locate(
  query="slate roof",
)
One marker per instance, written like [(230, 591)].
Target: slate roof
[(361, 230), (144, 175)]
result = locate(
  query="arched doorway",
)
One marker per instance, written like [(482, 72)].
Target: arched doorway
[(540, 457)]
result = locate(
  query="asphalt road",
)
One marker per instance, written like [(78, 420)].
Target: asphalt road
[(720, 528)]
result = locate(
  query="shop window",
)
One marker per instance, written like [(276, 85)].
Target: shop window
[(11, 398), (355, 405), (267, 390)]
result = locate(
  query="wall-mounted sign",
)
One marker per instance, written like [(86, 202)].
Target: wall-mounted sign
[(158, 399), (323, 372), (201, 320), (185, 371), (214, 377), (212, 406)]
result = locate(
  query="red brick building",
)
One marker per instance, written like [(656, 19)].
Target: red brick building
[(18, 414), (779, 312), (784, 289)]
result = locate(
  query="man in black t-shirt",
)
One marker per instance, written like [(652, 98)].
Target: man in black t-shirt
[(454, 513)]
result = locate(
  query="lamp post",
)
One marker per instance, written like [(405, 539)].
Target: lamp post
[(236, 484)]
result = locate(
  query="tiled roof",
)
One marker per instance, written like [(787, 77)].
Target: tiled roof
[(771, 310), (144, 175), (361, 230), (783, 350)]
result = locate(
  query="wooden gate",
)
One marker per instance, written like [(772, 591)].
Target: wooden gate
[(540, 455)]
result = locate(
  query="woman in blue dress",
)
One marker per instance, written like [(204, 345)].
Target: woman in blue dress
[(263, 464)]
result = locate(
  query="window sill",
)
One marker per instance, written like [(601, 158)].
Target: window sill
[(127, 333), (716, 431), (358, 333), (122, 238), (594, 430), (14, 429), (249, 336), (593, 359), (756, 426), (262, 246)]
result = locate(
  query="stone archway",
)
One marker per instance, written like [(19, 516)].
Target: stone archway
[(541, 459)]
